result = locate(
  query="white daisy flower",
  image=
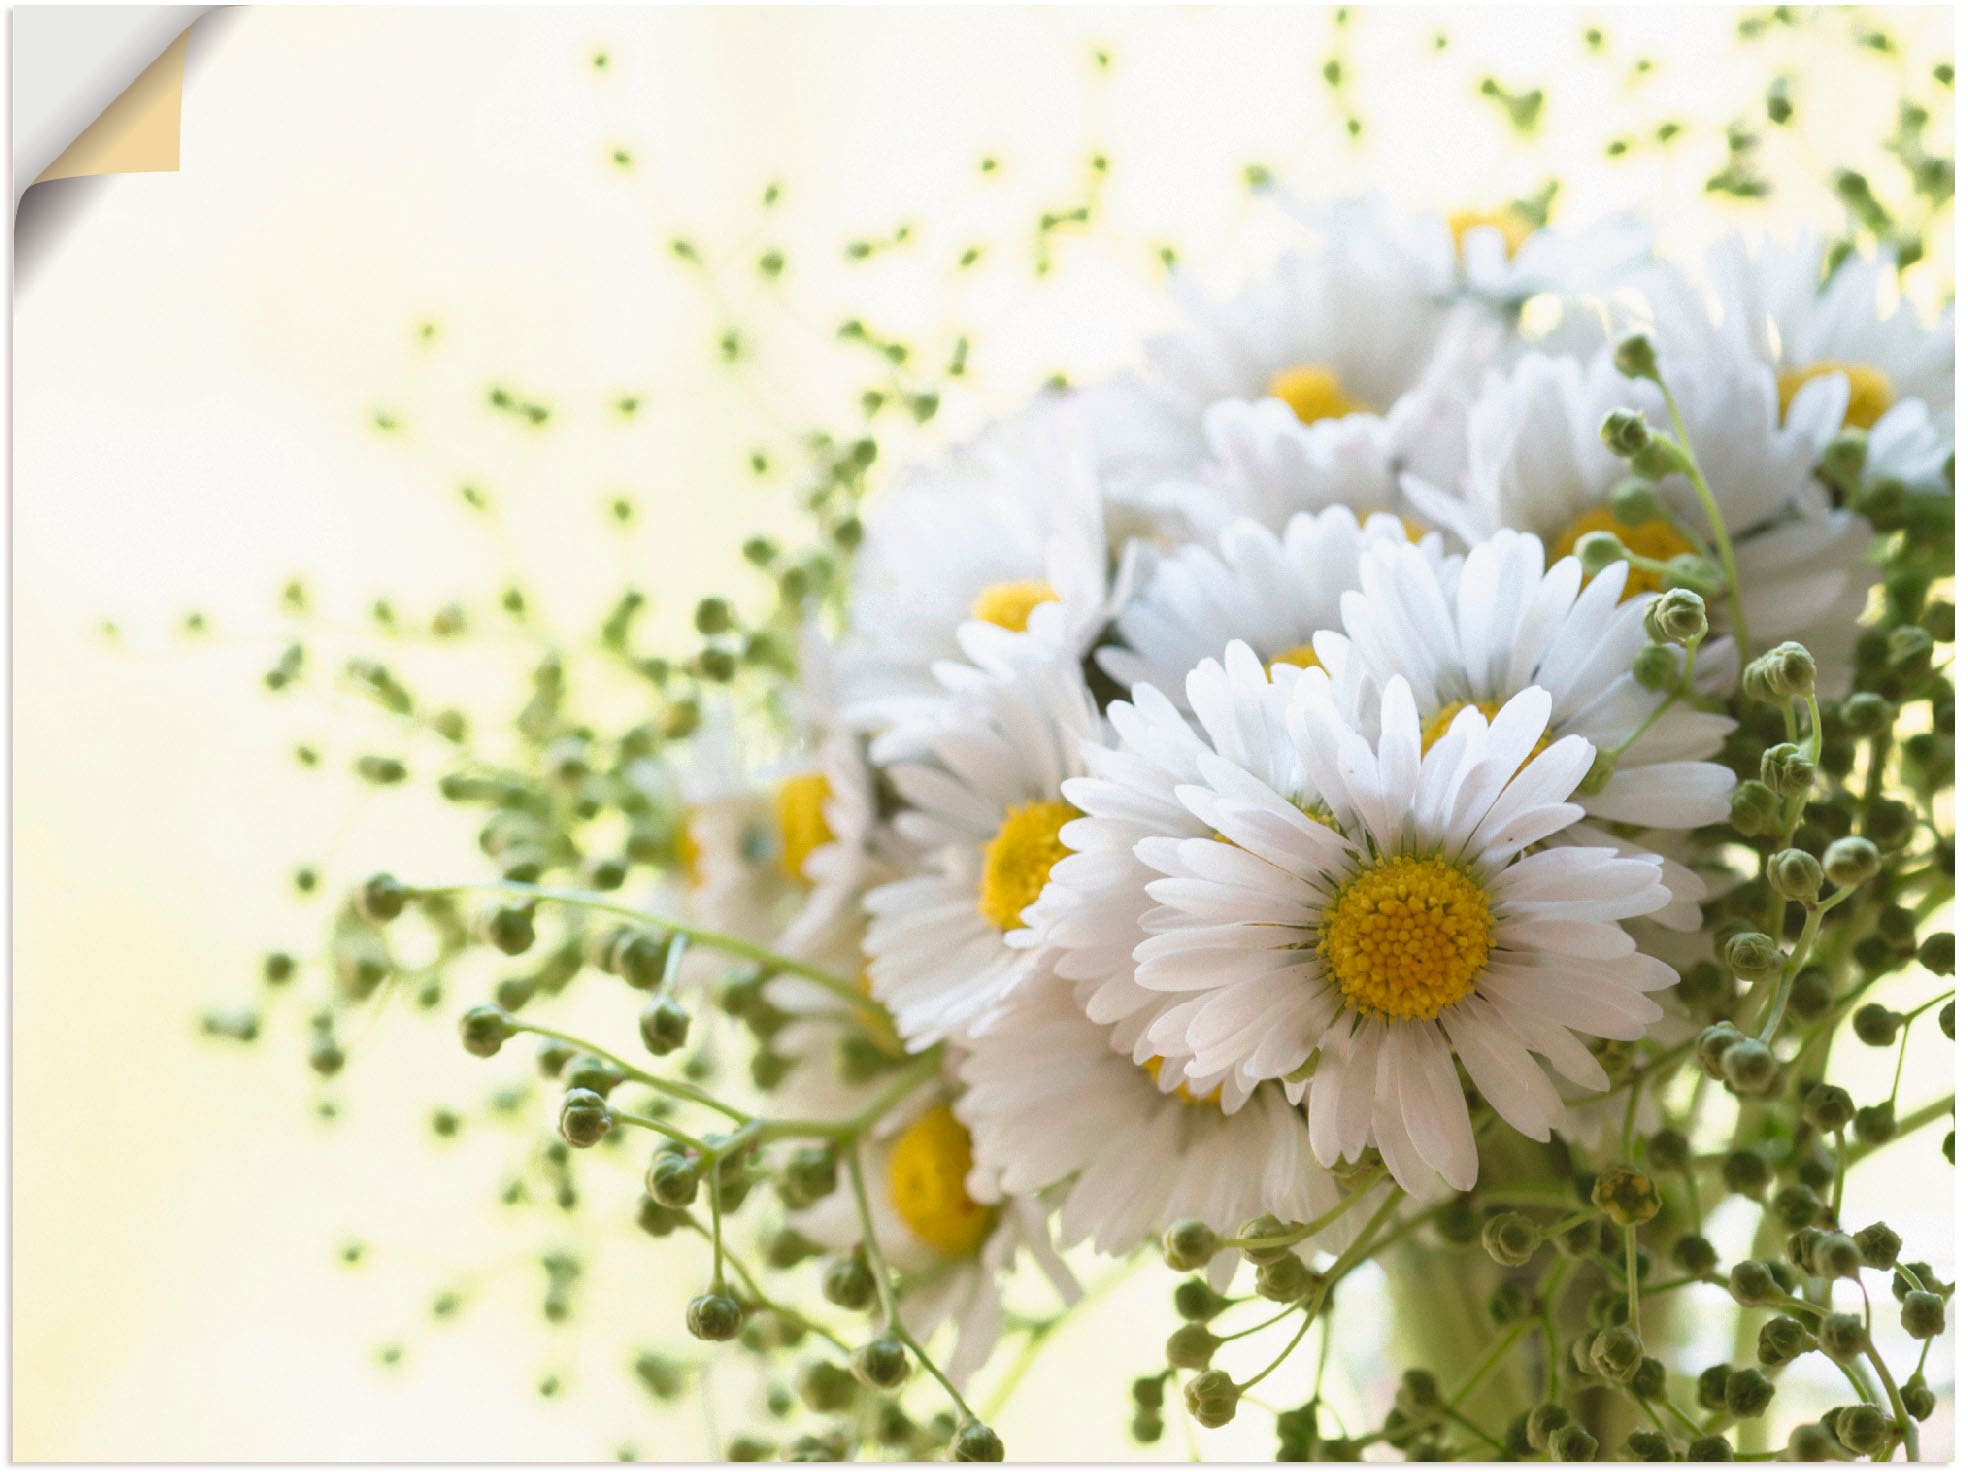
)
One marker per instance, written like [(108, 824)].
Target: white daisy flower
[(1537, 463), (953, 1253), (1501, 623), (1854, 324), (1054, 1097), (982, 805), (1274, 592), (1396, 914), (999, 528), (1311, 388)]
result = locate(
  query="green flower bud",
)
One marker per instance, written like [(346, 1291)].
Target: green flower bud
[(1649, 1380), (1890, 823), (484, 1029), (1787, 770), (1648, 1446), (713, 1316), (824, 1386), (1545, 1420), (976, 1442), (1634, 356), (1625, 432), (1656, 668), (664, 1024), (881, 1363), (382, 898), (1865, 714), (1947, 1020), (1148, 1392), (1197, 1303), (1747, 1394), (1573, 1443), (848, 1282), (1755, 810), (1510, 1239), (1850, 861), (1286, 1280), (1827, 1107), (1910, 650), (1189, 1244), (591, 1073), (1879, 1246), (1711, 1387), (1918, 1400), (1751, 1282), (1714, 1041), (1508, 1302), (1877, 1026), (672, 1178), (1616, 1353), (1678, 616), (640, 957), (584, 1118), (1418, 1392), (1752, 955), (1861, 1429), (1191, 1347), (1626, 1195), (1211, 1398), (1835, 1255), (1923, 1314), (810, 1175), (1937, 955), (1257, 1228), (1693, 573), (1810, 1443), (1749, 1067), (1792, 672), (1597, 551), (1843, 1336), (510, 929), (1145, 1428), (1711, 1449), (1695, 1254)]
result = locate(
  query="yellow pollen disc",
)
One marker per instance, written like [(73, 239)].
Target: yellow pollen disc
[(1300, 655), (1872, 391), (1655, 540), (1017, 861), (1313, 392), (1407, 938), (1010, 605), (799, 812), (689, 852), (1510, 222), (1153, 1068), (1437, 726), (926, 1171)]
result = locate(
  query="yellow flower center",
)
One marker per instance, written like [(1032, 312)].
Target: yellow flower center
[(1654, 540), (1510, 222), (1872, 391), (688, 852), (799, 812), (1437, 726), (1313, 392), (1010, 605), (1300, 655), (1407, 937), (1153, 1068), (1017, 861), (926, 1171)]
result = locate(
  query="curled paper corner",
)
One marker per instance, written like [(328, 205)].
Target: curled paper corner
[(119, 70), (138, 132)]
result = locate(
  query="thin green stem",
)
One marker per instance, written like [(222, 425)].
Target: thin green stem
[(628, 1070), (1718, 528)]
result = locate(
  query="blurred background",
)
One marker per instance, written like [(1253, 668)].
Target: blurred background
[(411, 251)]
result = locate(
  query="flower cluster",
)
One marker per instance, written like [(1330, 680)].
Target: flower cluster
[(1436, 756)]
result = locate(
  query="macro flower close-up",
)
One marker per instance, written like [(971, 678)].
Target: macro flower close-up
[(1024, 733)]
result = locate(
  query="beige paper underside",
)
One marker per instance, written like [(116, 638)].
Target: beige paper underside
[(138, 132)]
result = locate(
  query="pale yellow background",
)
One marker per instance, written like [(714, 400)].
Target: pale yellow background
[(197, 377)]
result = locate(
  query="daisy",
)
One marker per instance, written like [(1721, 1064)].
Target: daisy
[(982, 807), (1311, 388), (1052, 1097), (1501, 623), (952, 1252), (1274, 592), (1537, 463), (1392, 915), (1001, 527), (1854, 324)]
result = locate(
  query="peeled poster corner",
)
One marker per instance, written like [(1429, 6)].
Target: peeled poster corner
[(99, 91)]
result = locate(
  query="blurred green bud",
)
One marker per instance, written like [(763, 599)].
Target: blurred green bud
[(1511, 1239), (584, 1118), (1597, 551), (1788, 771), (1923, 1314), (1861, 1429), (1634, 356), (1191, 1347), (1748, 1394), (1755, 810), (1850, 861), (1843, 1336), (484, 1029), (1628, 1196), (672, 1178), (1827, 1107), (1656, 668), (1711, 1449), (848, 1282), (1189, 1244), (881, 1363), (713, 1316), (1751, 1282)]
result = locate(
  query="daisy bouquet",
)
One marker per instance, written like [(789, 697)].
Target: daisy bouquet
[(1398, 812)]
